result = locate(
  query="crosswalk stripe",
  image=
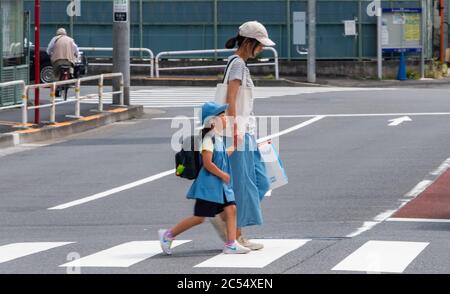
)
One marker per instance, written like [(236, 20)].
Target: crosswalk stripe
[(382, 256), (273, 250), (194, 96), (16, 250), (124, 255)]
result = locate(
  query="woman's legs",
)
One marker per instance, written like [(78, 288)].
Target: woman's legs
[(186, 224)]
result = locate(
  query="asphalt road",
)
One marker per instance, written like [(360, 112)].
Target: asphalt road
[(347, 175)]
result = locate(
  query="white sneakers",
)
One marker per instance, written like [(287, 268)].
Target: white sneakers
[(165, 242), (250, 245), (235, 248), (221, 229)]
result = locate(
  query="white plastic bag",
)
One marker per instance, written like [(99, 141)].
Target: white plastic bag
[(274, 168)]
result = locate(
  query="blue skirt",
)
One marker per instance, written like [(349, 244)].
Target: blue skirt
[(250, 182)]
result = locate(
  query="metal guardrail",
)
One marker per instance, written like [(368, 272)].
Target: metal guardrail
[(53, 102), (146, 50), (10, 84), (172, 53)]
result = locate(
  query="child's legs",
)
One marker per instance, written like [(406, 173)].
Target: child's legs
[(230, 213), (186, 224)]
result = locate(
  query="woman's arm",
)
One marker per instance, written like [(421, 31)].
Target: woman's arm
[(233, 88), (212, 168)]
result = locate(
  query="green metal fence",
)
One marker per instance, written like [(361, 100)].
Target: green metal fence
[(164, 25)]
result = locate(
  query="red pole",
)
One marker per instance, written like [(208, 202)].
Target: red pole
[(37, 53), (442, 15)]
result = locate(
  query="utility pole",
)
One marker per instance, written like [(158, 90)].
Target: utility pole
[(442, 30), (37, 53), (312, 41), (121, 48)]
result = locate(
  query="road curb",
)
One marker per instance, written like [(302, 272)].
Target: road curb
[(64, 129)]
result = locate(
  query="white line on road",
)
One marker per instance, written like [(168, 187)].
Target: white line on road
[(16, 250), (419, 188), (291, 129), (169, 172), (418, 220), (113, 191), (416, 191), (382, 256), (273, 249), (124, 255), (442, 168), (330, 115), (369, 225)]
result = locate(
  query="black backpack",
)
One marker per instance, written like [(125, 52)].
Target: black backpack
[(188, 161)]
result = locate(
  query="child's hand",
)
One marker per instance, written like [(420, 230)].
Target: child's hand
[(226, 178)]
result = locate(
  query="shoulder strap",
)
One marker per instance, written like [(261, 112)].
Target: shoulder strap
[(227, 73), (57, 39)]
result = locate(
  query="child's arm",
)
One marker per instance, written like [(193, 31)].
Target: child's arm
[(212, 168)]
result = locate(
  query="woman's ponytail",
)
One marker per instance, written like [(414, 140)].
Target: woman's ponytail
[(231, 43)]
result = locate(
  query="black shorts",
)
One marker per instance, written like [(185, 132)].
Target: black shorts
[(205, 208)]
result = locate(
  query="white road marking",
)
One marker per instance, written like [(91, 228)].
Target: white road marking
[(399, 121), (416, 191), (330, 115), (268, 194), (419, 188), (370, 224), (418, 220), (166, 173), (382, 256), (291, 129), (442, 168), (273, 250), (196, 96), (124, 255), (16, 250), (113, 191)]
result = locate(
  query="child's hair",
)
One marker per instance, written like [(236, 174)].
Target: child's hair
[(208, 129)]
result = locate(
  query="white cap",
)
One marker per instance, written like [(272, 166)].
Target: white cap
[(61, 31), (255, 30)]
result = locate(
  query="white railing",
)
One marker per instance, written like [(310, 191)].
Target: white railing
[(172, 53), (77, 98), (146, 50), (15, 83)]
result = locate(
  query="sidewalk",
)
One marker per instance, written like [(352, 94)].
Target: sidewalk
[(11, 132), (343, 82)]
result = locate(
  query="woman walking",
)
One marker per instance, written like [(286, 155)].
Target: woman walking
[(249, 174)]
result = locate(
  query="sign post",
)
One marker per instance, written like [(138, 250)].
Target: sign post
[(121, 48)]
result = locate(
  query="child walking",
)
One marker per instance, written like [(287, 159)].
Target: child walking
[(212, 189)]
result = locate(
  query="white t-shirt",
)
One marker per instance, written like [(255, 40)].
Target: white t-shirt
[(240, 71)]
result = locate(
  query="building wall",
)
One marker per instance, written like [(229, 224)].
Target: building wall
[(206, 24)]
